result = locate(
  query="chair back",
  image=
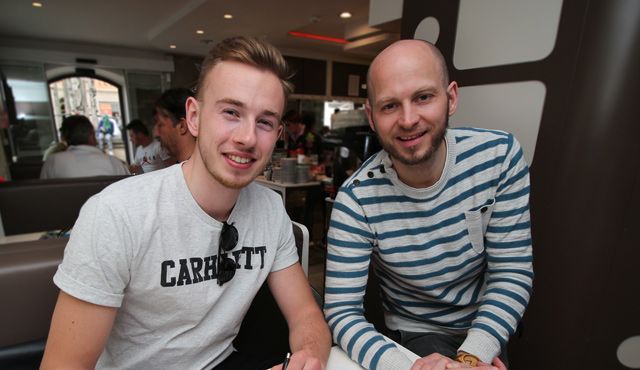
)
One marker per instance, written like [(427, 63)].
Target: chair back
[(50, 204), (28, 298)]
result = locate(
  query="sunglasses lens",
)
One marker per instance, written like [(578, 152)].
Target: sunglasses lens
[(226, 270), (228, 241), (228, 237)]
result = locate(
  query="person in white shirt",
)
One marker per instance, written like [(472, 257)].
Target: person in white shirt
[(82, 158), (149, 154)]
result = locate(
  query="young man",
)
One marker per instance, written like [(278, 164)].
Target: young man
[(163, 278), (150, 155), (169, 116), (444, 213), (82, 158)]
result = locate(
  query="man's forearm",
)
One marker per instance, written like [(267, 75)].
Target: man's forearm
[(311, 334)]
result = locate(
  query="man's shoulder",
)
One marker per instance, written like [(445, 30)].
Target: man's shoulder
[(134, 188), (477, 134), (256, 192)]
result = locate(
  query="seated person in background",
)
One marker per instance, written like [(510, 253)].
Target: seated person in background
[(150, 155), (301, 138), (82, 158), (161, 268), (445, 215), (59, 146), (171, 125)]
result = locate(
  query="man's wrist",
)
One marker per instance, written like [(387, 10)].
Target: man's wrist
[(467, 358)]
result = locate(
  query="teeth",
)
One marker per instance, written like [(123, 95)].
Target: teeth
[(241, 160), (409, 137)]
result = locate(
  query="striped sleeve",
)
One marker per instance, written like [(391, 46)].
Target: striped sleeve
[(350, 243), (509, 261)]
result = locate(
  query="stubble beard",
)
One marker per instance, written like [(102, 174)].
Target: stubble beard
[(226, 182), (413, 158)]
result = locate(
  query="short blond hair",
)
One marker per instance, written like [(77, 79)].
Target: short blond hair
[(250, 51)]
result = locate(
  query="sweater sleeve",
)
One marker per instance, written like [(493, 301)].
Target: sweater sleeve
[(509, 255), (350, 243)]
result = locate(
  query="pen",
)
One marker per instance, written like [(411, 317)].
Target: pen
[(286, 361)]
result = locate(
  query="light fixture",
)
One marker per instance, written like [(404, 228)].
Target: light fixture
[(36, 4), (200, 32), (345, 15), (172, 46), (314, 36), (228, 16)]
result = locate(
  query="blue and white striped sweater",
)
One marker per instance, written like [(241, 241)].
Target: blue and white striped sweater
[(453, 258)]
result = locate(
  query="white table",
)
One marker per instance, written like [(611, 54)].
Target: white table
[(282, 187)]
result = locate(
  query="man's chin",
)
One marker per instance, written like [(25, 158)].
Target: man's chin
[(233, 182)]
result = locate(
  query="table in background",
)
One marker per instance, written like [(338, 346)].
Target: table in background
[(282, 187)]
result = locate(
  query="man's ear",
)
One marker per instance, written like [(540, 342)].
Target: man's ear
[(367, 108), (452, 93), (191, 121), (281, 131)]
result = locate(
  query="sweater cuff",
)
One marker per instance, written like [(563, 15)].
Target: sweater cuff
[(394, 359), (481, 345)]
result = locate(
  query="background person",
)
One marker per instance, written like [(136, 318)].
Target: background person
[(106, 127), (82, 158), (444, 213), (59, 146), (150, 155), (164, 277), (171, 126)]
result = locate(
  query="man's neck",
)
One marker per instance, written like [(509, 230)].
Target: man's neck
[(425, 174), (214, 198)]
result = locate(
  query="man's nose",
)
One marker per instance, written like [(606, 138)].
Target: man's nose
[(245, 133), (409, 116)]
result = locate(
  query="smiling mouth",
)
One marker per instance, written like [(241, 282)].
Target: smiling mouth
[(412, 137), (238, 159)]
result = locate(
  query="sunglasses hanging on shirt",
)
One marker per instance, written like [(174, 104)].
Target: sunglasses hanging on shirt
[(226, 267)]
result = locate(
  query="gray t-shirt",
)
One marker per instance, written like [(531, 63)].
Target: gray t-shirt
[(145, 246)]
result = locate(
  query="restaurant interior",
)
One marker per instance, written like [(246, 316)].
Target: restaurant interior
[(561, 75)]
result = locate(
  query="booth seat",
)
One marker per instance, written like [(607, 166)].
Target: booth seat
[(28, 206), (29, 297)]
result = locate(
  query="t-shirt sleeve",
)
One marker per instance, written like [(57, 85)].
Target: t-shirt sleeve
[(95, 267)]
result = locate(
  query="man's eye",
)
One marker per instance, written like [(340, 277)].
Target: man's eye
[(230, 112), (388, 107), (423, 97), (266, 123)]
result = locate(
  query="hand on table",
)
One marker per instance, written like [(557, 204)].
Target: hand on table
[(135, 169), (302, 360), (436, 361)]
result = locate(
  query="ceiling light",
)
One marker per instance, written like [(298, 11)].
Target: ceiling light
[(345, 15), (200, 32), (228, 16), (172, 46), (317, 37), (36, 4)]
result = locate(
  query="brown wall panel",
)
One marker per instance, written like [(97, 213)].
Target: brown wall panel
[(585, 181)]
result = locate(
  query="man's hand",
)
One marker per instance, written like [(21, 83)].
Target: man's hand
[(496, 362), (135, 169), (436, 361), (302, 360)]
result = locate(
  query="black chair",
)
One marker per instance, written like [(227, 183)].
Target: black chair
[(28, 300), (264, 316)]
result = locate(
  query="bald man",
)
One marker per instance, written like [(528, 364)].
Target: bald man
[(444, 214)]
